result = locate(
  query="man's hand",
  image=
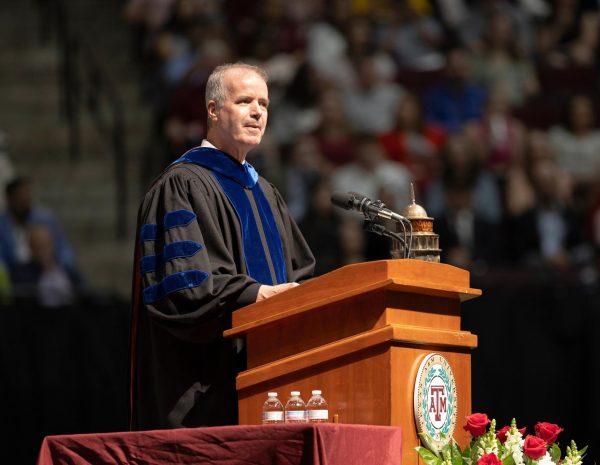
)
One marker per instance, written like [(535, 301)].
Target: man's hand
[(264, 291)]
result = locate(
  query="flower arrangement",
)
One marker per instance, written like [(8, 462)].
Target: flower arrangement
[(506, 446)]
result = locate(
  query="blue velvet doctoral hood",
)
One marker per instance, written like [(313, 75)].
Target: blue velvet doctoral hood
[(240, 184)]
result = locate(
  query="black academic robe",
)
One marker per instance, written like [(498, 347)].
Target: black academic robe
[(191, 272)]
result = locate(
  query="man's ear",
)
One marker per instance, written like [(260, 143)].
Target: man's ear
[(211, 109)]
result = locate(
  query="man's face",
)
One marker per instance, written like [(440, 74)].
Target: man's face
[(20, 202), (240, 120)]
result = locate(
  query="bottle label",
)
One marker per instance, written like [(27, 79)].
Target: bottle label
[(273, 416), (318, 415), (295, 415)]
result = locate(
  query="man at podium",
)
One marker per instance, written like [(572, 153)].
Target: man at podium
[(213, 236)]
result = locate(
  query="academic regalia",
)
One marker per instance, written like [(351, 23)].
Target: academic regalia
[(210, 233)]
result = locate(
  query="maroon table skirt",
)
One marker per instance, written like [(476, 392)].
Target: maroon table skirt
[(304, 444)]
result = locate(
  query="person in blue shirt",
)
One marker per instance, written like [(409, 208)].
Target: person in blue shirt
[(20, 215), (456, 100)]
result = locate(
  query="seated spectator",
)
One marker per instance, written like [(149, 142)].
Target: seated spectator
[(320, 228), (327, 51), (298, 113), (352, 241), (362, 33), (333, 132), (415, 38), (584, 50), (462, 167), (371, 172), (502, 63), (43, 280), (504, 135), (557, 34), (414, 142), (474, 22), (21, 214), (456, 100), (146, 18), (466, 204), (372, 103), (546, 233), (7, 171), (304, 168), (577, 141)]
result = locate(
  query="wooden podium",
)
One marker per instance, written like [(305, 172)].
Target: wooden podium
[(359, 334)]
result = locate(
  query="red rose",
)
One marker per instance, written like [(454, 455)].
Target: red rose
[(547, 431), (501, 434), (489, 459), (534, 447), (477, 424)]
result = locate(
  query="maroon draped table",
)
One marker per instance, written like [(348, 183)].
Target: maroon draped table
[(304, 444)]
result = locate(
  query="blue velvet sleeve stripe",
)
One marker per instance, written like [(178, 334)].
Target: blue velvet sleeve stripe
[(173, 283), (149, 232), (178, 218), (149, 263), (181, 249)]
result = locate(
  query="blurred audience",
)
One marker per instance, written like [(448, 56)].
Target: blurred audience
[(462, 170), (503, 134), (321, 228), (502, 63), (7, 171), (370, 172), (21, 214), (577, 144), (333, 133), (42, 279), (303, 170), (546, 233), (371, 104), (415, 37), (414, 142), (467, 206), (460, 97), (456, 100)]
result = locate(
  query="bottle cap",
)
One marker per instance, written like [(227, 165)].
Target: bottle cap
[(316, 392), (295, 393), (272, 394)]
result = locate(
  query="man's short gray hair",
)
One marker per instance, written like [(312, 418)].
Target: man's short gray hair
[(215, 90)]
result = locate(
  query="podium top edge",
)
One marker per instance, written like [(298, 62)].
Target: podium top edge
[(409, 276)]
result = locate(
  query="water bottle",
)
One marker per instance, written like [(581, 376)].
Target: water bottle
[(317, 410), (295, 409), (272, 411)]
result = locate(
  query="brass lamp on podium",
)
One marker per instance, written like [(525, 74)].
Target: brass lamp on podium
[(422, 242)]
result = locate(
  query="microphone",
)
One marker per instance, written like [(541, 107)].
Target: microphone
[(364, 205)]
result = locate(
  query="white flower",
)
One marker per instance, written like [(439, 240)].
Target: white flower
[(514, 445), (573, 456), (546, 460)]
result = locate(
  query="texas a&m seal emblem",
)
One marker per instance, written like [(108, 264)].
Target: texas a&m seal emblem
[(435, 400)]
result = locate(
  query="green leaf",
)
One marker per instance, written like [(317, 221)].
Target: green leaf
[(583, 451), (428, 457), (555, 453), (466, 455), (473, 451), (508, 460), (457, 458), (427, 441)]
